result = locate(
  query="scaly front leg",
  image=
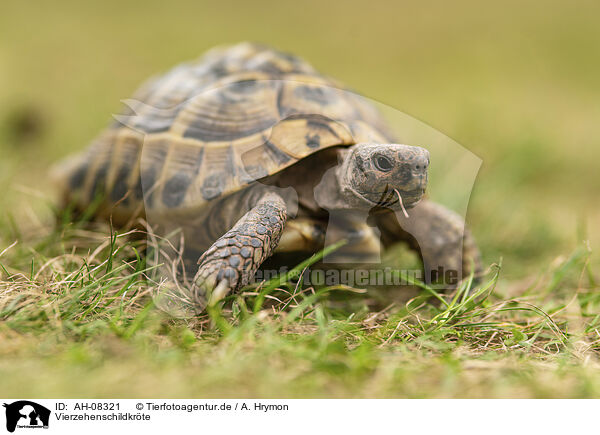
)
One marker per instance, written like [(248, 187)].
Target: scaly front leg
[(231, 262)]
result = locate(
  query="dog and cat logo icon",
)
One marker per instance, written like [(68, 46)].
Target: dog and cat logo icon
[(24, 414)]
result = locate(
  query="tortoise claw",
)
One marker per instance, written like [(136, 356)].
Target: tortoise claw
[(219, 292)]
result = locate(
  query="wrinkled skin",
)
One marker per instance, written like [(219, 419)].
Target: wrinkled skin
[(372, 175)]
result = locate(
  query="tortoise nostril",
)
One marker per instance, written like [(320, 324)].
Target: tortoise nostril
[(421, 166)]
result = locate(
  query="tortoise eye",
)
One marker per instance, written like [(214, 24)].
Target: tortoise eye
[(382, 163)]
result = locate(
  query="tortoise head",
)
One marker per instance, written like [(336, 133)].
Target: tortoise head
[(378, 175)]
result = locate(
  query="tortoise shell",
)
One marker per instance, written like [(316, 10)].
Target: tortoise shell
[(208, 128)]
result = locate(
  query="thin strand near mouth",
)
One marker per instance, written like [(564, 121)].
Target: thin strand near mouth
[(401, 204), (382, 200)]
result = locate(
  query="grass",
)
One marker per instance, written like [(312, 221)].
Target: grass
[(503, 80), (85, 319)]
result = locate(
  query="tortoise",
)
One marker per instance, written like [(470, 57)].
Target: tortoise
[(252, 153)]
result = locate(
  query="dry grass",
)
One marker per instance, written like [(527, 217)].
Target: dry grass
[(86, 320)]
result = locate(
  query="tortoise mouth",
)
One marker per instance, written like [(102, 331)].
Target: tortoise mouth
[(390, 197)]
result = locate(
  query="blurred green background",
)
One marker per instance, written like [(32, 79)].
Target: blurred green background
[(515, 82)]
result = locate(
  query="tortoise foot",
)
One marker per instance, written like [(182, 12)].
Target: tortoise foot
[(231, 262)]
